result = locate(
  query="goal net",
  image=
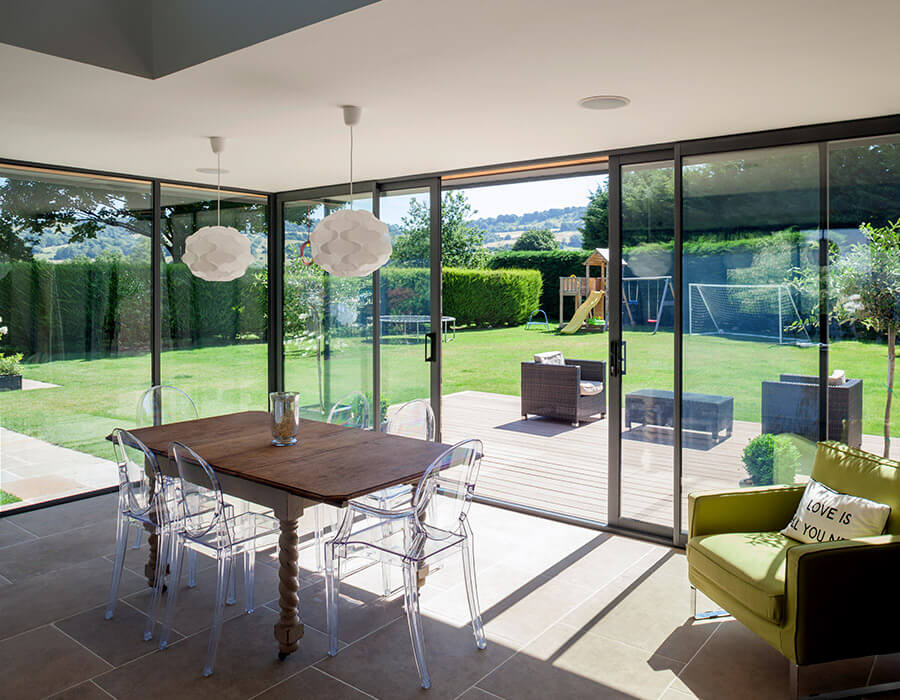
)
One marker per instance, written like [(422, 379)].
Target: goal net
[(764, 311)]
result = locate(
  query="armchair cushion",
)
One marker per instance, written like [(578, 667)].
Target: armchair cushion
[(590, 388), (848, 470), (750, 565)]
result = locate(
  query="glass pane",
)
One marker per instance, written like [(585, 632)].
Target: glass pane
[(75, 329), (751, 358), (406, 299), (543, 232), (327, 319), (648, 303), (864, 266), (214, 333)]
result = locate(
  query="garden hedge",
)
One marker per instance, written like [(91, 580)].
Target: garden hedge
[(551, 264), (491, 297), (479, 297)]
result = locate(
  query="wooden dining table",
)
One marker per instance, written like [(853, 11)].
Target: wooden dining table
[(329, 464)]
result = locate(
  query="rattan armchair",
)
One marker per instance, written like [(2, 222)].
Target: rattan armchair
[(554, 391), (791, 405)]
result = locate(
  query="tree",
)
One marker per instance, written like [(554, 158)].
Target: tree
[(30, 210), (865, 284), (536, 239), (595, 230), (462, 244)]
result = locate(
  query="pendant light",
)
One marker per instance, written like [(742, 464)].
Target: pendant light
[(217, 253), (350, 243)]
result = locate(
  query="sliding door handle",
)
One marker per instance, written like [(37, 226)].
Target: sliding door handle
[(623, 369), (430, 340)]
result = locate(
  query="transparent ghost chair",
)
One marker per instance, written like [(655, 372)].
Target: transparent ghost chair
[(214, 533), (143, 496), (165, 404), (161, 404), (414, 419), (433, 527), (352, 411)]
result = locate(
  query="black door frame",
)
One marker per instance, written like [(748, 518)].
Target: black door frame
[(616, 360)]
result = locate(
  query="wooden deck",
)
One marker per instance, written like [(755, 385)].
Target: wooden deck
[(553, 466)]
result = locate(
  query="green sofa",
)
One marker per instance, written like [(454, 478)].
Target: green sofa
[(812, 602)]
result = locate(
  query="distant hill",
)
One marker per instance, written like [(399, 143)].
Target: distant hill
[(500, 232)]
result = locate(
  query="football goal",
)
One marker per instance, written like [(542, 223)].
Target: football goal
[(764, 311)]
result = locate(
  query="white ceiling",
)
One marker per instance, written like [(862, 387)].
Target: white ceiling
[(448, 85)]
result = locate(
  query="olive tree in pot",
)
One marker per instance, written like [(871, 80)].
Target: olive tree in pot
[(10, 369)]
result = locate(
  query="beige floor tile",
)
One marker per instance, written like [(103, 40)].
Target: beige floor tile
[(116, 641), (11, 534), (382, 663), (564, 664), (735, 663), (195, 605), (82, 691), (38, 600), (247, 663), (312, 683), (477, 693), (515, 604), (360, 612), (44, 661), (610, 557), (57, 552), (648, 609)]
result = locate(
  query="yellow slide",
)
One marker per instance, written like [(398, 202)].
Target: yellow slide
[(581, 314)]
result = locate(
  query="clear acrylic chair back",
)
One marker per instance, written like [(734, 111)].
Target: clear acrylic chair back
[(165, 404), (196, 486), (414, 419), (444, 493), (352, 410), (139, 474)]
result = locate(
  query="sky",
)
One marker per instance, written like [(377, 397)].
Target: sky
[(516, 198)]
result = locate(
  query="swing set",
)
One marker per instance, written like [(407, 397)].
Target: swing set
[(646, 298)]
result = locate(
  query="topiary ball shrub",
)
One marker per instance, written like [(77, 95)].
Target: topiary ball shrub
[(771, 459), (759, 457)]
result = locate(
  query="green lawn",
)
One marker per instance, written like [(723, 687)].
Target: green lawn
[(97, 395), (7, 498)]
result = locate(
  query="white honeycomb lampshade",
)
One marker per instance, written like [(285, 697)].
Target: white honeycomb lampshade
[(350, 243), (217, 253)]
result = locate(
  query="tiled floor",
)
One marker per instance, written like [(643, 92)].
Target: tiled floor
[(569, 612)]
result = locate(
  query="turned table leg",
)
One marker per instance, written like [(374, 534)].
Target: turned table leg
[(288, 629), (152, 555)]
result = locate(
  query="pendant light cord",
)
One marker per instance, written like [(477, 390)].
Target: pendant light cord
[(351, 167), (218, 189)]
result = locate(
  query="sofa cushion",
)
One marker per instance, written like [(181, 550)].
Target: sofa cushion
[(553, 357), (824, 515), (590, 388), (749, 565), (847, 470)]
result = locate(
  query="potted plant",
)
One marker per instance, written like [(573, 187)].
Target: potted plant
[(10, 369), (770, 459)]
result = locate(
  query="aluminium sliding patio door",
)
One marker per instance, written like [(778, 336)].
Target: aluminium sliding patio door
[(644, 295), (408, 330)]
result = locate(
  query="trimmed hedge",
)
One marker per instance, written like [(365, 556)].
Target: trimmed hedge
[(551, 264), (490, 297), (480, 297), (100, 309)]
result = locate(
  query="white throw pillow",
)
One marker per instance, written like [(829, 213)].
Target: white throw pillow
[(837, 378), (825, 515), (554, 357)]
